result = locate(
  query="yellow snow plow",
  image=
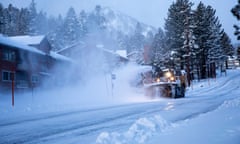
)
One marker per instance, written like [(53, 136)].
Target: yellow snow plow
[(164, 83)]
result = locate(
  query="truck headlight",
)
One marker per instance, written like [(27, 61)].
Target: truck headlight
[(168, 74), (172, 78)]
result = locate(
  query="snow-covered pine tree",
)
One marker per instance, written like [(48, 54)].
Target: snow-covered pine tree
[(23, 21), (148, 40), (158, 49), (200, 33), (83, 22), (236, 12), (136, 39), (2, 23), (11, 15), (54, 35), (32, 20), (13, 21), (42, 23), (100, 19), (207, 35), (190, 48), (175, 26), (226, 46), (16, 19), (136, 44), (123, 41), (7, 20), (216, 54), (70, 31), (96, 22)]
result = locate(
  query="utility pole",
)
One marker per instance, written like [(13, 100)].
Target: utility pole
[(12, 76), (187, 33)]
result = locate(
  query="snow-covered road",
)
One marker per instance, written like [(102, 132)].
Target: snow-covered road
[(97, 125)]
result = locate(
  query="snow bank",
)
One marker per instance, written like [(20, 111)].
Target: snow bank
[(235, 103), (220, 126), (138, 133)]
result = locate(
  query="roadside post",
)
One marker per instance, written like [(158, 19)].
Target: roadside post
[(113, 77), (12, 77)]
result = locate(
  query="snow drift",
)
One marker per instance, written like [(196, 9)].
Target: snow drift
[(138, 133)]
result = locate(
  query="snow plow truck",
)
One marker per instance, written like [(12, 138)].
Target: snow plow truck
[(164, 83)]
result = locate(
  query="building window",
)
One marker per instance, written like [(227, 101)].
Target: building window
[(9, 55), (35, 79), (7, 76)]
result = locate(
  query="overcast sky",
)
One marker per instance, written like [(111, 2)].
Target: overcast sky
[(152, 12)]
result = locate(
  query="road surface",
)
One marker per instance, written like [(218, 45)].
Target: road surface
[(84, 125)]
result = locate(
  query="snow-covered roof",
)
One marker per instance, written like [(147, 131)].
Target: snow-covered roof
[(106, 50), (19, 45), (82, 44), (122, 53), (111, 52), (28, 40), (60, 57), (73, 45), (15, 44), (133, 53)]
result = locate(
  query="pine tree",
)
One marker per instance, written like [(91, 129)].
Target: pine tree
[(236, 12), (123, 41), (175, 26), (158, 49), (99, 18), (70, 30), (226, 47), (23, 21), (215, 53), (96, 22), (206, 33), (32, 20), (55, 32), (137, 40), (10, 20), (2, 24), (13, 20), (7, 20), (83, 23), (226, 44), (42, 23)]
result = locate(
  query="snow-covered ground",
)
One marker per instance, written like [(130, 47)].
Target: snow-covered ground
[(220, 126), (209, 114), (119, 115)]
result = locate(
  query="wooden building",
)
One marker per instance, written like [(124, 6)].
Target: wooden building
[(26, 65), (93, 55)]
